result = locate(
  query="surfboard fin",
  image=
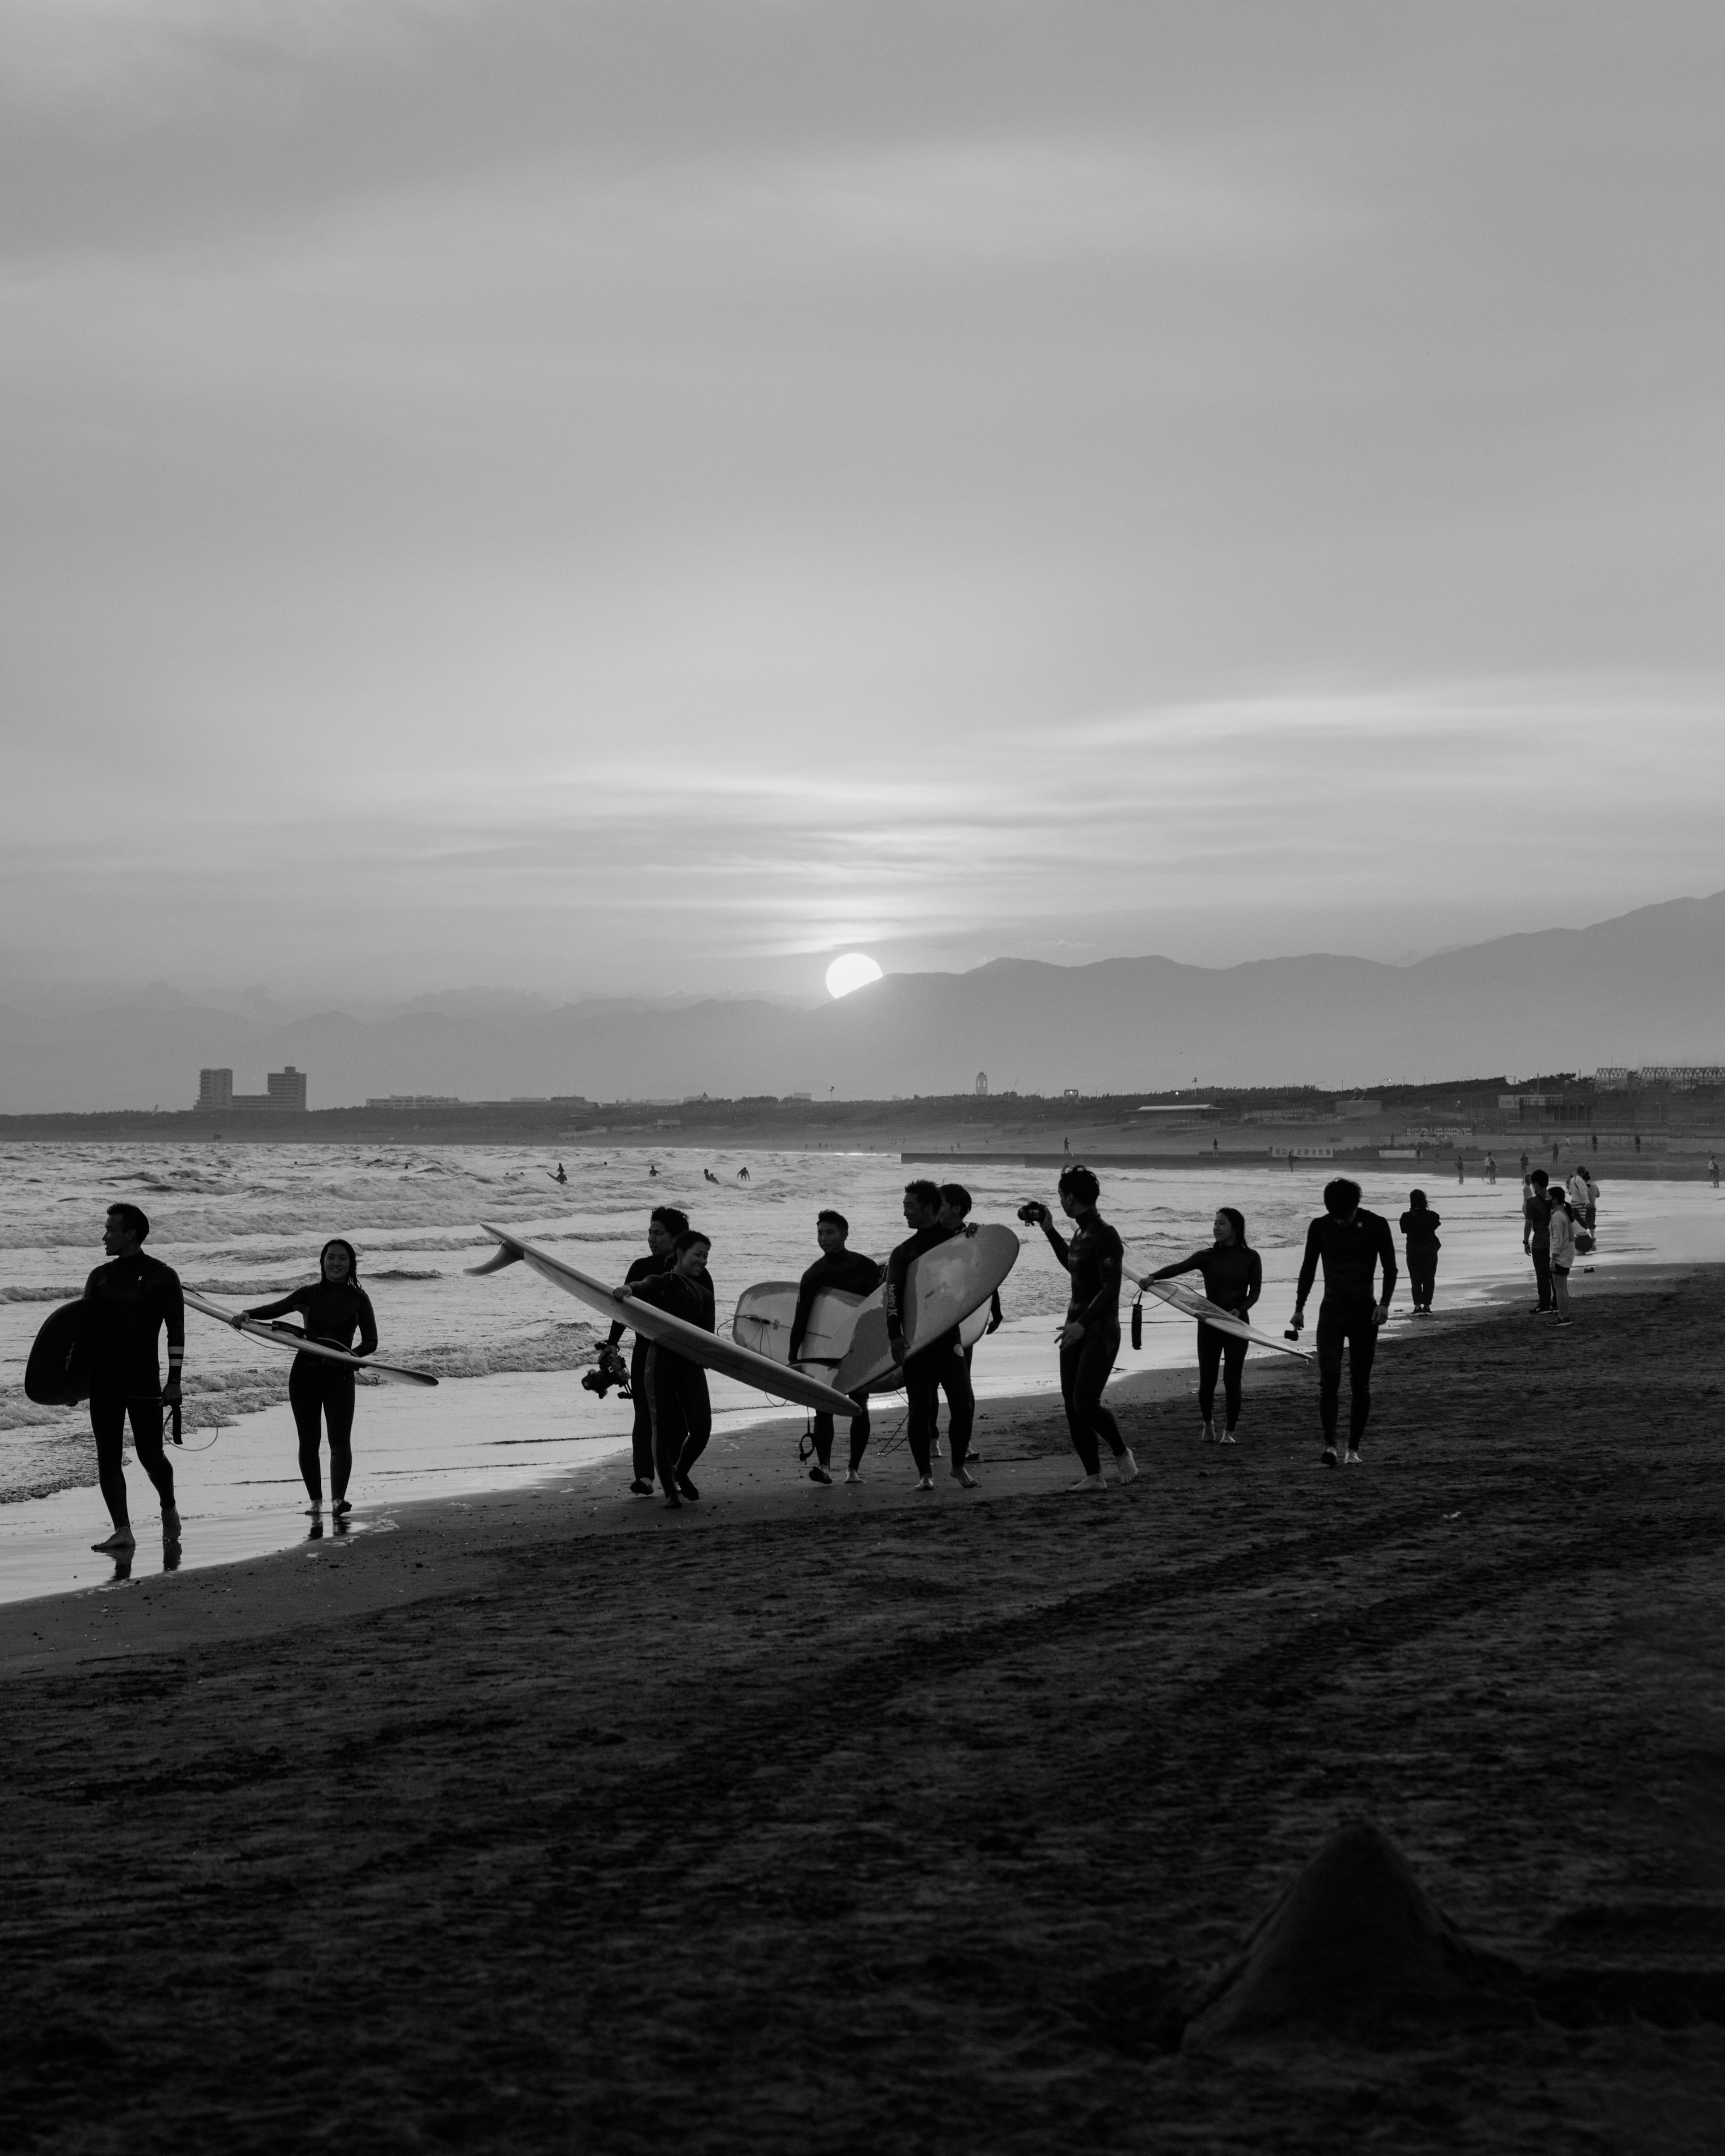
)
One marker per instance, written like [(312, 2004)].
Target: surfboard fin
[(499, 1259)]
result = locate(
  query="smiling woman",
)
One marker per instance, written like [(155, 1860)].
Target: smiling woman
[(854, 970)]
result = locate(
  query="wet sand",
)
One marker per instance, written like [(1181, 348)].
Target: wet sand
[(823, 1819)]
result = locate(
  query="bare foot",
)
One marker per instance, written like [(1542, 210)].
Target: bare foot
[(170, 1524), (314, 1512), (1086, 1482), (122, 1538), (966, 1480), (341, 1508)]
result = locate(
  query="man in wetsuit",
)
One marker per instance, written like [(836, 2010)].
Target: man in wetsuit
[(842, 1271), (682, 1410), (664, 1227), (126, 1304), (1090, 1339), (938, 1365), (1351, 1244)]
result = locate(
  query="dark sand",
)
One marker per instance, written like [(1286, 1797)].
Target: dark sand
[(797, 1823)]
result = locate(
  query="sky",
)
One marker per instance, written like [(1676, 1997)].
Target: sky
[(637, 495)]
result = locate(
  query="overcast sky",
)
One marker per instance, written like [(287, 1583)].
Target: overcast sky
[(650, 495)]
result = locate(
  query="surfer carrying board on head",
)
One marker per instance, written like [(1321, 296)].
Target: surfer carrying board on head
[(127, 1303), (1351, 1244), (321, 1392), (1090, 1339), (664, 1226), (682, 1410), (939, 1366), (1232, 1275), (848, 1272)]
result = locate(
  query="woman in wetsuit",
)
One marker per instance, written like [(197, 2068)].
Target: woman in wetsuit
[(1419, 1227), (319, 1390), (1232, 1278), (682, 1412)]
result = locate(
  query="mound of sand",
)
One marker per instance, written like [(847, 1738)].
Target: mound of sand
[(1355, 1946)]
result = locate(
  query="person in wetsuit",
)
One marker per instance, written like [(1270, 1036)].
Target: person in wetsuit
[(321, 1392), (954, 1213), (1419, 1227), (840, 1270), (682, 1411), (1350, 1244), (127, 1303), (664, 1226), (1232, 1275), (938, 1365), (1090, 1339), (1536, 1236)]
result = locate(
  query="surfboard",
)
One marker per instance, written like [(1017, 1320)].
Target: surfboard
[(942, 1288), (57, 1375), (1194, 1304), (274, 1334), (711, 1350), (765, 1312)]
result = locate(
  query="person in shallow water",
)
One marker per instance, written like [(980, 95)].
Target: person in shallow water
[(937, 1366), (127, 1303), (840, 1270), (320, 1392), (682, 1411), (1233, 1275), (1090, 1339), (1350, 1244), (664, 1226)]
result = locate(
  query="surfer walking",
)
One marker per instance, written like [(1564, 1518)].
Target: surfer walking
[(1419, 1227), (1233, 1275), (839, 1270), (939, 1367), (321, 1392), (1090, 1339), (1350, 1244), (127, 1304), (664, 1225), (682, 1409)]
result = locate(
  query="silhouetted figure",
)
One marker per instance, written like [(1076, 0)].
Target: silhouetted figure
[(321, 1392), (1351, 1244), (845, 1272), (1232, 1275), (1090, 1339), (126, 1304), (1419, 1227), (664, 1227)]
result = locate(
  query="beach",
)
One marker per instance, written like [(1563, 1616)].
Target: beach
[(826, 1818)]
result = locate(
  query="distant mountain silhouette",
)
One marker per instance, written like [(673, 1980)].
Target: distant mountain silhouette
[(1649, 986)]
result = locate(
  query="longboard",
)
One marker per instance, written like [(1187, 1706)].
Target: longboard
[(710, 1349), (765, 1312), (1194, 1304), (274, 1334)]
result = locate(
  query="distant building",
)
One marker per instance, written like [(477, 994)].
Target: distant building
[(397, 1102), (286, 1095), (982, 1084), (215, 1091)]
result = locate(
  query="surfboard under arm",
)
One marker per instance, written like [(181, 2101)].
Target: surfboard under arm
[(295, 1342)]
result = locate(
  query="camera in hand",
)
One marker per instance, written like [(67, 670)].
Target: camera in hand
[(609, 1370), (1033, 1213)]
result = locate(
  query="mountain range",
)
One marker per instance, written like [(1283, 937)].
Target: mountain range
[(1646, 987)]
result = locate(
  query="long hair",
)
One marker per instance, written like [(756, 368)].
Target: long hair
[(1416, 1200), (339, 1243), (1237, 1222)]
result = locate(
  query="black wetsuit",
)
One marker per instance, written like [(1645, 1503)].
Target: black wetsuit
[(1350, 1251), (1420, 1231), (641, 1433), (319, 1391), (127, 1302), (1535, 1227), (1234, 1279), (938, 1366), (845, 1272), (1093, 1258), (682, 1412)]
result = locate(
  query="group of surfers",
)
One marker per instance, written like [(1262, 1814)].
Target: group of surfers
[(134, 1298)]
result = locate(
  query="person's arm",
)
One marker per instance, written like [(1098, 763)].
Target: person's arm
[(997, 1316), (174, 1312), (1194, 1264), (1308, 1271), (264, 1312), (807, 1289), (1386, 1258), (367, 1344), (1255, 1284)]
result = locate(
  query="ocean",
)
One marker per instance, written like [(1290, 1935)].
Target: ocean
[(243, 1224)]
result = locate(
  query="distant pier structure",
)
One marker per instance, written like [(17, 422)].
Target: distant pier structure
[(982, 1085)]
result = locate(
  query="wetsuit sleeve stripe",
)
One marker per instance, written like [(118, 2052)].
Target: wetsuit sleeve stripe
[(175, 1314)]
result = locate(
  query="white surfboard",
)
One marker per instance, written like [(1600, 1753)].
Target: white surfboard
[(710, 1349), (765, 1312), (274, 1334), (1194, 1304), (942, 1288)]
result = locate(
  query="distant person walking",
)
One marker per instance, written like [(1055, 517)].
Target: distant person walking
[(320, 1392), (840, 1270), (1713, 1169), (1232, 1275), (1460, 1174), (1090, 1339), (1560, 1230), (1590, 1218), (1524, 1168), (1351, 1244), (1491, 1169), (1419, 1227), (1536, 1235), (682, 1408), (127, 1304)]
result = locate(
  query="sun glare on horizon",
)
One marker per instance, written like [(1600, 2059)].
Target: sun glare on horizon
[(855, 969)]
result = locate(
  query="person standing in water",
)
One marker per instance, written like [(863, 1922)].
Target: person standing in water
[(682, 1410), (1491, 1169), (1351, 1244), (1090, 1339), (321, 1392), (840, 1270), (1419, 1227), (1233, 1275), (939, 1364), (560, 1177), (664, 1226), (127, 1304)]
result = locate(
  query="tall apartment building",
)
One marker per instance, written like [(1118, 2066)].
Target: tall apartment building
[(286, 1095), (215, 1091)]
